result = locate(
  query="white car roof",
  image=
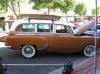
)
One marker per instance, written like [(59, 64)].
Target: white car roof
[(17, 22)]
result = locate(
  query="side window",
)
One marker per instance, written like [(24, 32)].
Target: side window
[(44, 27), (61, 29), (26, 28)]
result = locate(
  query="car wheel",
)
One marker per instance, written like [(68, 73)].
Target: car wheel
[(28, 51), (89, 51)]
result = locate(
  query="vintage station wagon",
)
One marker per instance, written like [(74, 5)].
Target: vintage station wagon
[(32, 36)]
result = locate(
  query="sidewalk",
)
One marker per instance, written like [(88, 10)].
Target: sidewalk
[(2, 44), (85, 67), (59, 70)]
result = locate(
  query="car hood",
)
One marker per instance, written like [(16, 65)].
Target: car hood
[(84, 27)]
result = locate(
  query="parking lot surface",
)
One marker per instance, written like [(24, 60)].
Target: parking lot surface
[(44, 63)]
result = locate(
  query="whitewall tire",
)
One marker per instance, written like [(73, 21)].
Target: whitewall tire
[(89, 51), (28, 51)]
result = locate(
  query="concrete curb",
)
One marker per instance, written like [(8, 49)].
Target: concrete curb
[(75, 65)]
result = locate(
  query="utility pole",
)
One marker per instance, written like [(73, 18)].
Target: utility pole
[(95, 54)]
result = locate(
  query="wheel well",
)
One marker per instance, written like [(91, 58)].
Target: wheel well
[(31, 45), (87, 45)]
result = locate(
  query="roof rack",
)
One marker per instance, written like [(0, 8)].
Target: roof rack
[(40, 16)]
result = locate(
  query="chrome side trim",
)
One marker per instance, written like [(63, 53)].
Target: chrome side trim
[(44, 48)]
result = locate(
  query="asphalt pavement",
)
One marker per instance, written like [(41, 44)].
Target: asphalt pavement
[(45, 63)]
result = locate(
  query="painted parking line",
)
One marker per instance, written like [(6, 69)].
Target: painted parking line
[(34, 64), (57, 71)]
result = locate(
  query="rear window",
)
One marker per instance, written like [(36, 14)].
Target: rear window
[(40, 27), (26, 28)]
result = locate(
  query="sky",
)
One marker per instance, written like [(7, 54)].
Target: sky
[(90, 3), (26, 8)]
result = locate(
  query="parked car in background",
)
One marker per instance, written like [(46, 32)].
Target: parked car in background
[(3, 35), (32, 36)]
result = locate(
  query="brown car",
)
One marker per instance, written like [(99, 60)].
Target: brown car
[(31, 36)]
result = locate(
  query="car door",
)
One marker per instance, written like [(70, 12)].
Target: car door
[(66, 42), (45, 30)]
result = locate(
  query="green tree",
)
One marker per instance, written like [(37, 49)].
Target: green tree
[(94, 11), (40, 4), (67, 5), (81, 9), (3, 6), (63, 5), (1, 10), (13, 5)]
